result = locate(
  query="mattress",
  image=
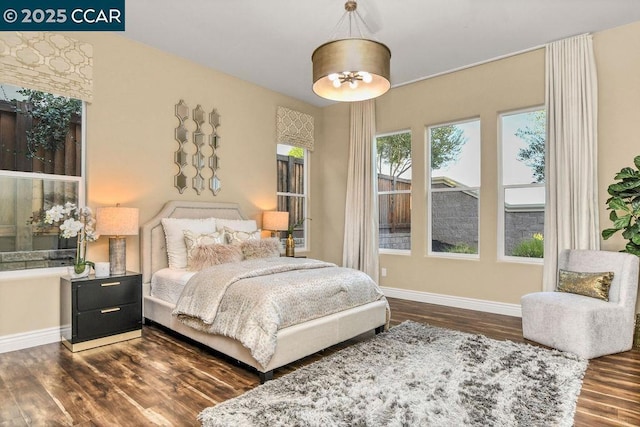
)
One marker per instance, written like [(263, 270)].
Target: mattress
[(167, 284)]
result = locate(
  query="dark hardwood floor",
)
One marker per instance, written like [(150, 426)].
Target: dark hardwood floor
[(163, 380)]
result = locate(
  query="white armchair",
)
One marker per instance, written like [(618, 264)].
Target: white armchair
[(582, 325)]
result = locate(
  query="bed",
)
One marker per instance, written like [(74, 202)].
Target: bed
[(291, 343)]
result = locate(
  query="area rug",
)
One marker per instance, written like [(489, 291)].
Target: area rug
[(417, 375)]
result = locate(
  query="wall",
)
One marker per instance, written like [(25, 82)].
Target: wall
[(130, 146), (485, 91), (130, 149)]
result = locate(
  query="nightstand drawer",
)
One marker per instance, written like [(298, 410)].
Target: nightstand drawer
[(108, 321), (113, 292)]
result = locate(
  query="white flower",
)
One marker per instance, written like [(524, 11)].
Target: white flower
[(54, 214), (70, 228)]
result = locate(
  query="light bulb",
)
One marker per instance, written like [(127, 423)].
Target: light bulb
[(353, 84), (366, 77), (336, 83), (333, 77)]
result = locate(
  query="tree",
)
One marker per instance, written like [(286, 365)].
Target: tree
[(394, 151), (296, 152), (52, 115), (446, 145), (535, 135)]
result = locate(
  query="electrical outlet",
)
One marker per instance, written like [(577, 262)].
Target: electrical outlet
[(384, 272)]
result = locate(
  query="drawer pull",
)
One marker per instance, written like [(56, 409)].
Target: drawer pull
[(109, 310), (110, 284)]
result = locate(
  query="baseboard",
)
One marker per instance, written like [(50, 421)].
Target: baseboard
[(452, 301), (29, 339)]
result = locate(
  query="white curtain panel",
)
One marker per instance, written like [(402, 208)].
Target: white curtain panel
[(360, 249), (571, 215)]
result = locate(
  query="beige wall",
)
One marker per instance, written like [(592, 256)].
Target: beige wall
[(130, 150), (130, 145), (485, 91)]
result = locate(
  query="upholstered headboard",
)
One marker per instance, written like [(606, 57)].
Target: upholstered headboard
[(153, 246)]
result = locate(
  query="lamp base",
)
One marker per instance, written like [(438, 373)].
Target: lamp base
[(117, 256)]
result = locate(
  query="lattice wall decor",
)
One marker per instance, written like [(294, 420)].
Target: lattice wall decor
[(182, 136), (198, 157), (214, 161), (203, 142)]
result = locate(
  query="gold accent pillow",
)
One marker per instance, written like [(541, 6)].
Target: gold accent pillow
[(594, 285)]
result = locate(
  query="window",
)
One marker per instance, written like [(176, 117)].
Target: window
[(454, 172), (292, 190), (393, 163), (522, 193), (41, 152)]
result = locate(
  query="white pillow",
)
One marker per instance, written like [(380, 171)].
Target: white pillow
[(236, 236), (174, 235), (193, 240), (246, 225)]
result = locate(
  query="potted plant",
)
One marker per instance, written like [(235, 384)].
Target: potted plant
[(624, 205), (75, 222), (290, 247)]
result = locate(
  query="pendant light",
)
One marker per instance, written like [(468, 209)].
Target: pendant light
[(353, 68)]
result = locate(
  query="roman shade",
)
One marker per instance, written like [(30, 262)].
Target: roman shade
[(48, 62), (294, 128)]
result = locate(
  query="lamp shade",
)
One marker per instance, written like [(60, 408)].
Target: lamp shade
[(352, 69), (117, 221), (275, 220)]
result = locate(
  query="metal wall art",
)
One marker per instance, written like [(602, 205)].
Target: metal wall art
[(203, 142)]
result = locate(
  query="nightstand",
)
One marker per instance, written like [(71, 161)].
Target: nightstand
[(99, 311)]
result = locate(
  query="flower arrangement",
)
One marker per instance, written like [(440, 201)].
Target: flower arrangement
[(74, 222)]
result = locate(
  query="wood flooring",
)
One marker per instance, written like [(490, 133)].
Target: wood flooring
[(161, 379)]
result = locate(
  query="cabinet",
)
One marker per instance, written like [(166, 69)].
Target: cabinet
[(100, 311)]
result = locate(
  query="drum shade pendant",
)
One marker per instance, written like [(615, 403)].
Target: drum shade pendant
[(351, 68)]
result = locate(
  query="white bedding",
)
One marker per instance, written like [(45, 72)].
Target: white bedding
[(253, 299), (167, 284)]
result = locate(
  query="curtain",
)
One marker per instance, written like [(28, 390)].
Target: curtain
[(360, 250), (294, 128), (571, 214), (48, 62)]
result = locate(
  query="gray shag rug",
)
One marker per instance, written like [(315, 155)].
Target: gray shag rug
[(420, 375)]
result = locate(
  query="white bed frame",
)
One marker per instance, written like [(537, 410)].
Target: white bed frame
[(293, 343)]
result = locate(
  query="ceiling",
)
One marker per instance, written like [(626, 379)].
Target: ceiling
[(270, 42)]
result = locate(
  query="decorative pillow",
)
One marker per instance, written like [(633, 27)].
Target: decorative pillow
[(174, 235), (236, 236), (193, 240), (264, 248), (594, 285), (204, 256), (246, 225)]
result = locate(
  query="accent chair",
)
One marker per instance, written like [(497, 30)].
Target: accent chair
[(586, 326)]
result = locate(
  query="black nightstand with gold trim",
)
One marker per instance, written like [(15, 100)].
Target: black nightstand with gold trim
[(99, 311)]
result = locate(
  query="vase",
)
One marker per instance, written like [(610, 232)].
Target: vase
[(290, 248), (74, 275)]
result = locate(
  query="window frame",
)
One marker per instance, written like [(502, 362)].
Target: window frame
[(81, 181), (502, 188), (390, 251), (304, 195), (429, 192)]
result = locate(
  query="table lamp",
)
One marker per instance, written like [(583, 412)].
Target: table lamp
[(275, 221), (116, 222)]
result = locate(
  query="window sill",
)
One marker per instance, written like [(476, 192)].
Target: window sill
[(32, 272)]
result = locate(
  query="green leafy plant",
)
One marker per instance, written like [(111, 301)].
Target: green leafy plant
[(530, 248), (624, 205), (462, 248), (52, 115), (295, 225)]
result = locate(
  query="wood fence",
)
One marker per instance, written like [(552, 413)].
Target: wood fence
[(394, 209), (291, 180)]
